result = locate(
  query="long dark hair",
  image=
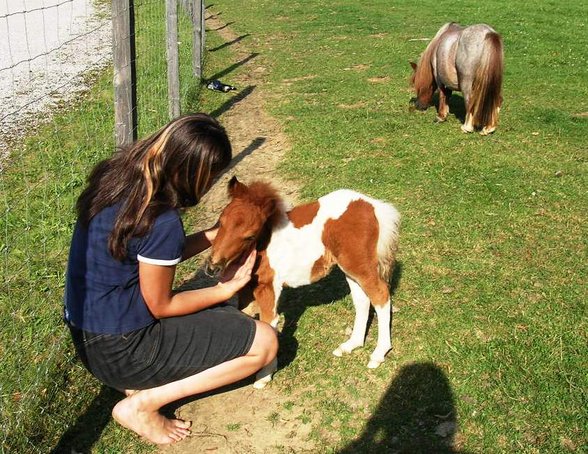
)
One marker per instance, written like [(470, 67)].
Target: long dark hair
[(172, 168)]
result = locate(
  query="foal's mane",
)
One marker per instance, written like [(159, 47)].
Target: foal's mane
[(263, 194)]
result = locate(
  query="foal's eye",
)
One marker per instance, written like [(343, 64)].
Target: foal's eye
[(250, 238)]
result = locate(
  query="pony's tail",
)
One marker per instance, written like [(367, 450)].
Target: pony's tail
[(486, 96), (389, 228)]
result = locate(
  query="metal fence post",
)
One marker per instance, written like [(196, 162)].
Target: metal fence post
[(125, 95)]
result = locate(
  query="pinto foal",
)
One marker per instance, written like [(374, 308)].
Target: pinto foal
[(300, 246)]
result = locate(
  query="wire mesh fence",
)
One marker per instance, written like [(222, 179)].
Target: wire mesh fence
[(56, 121)]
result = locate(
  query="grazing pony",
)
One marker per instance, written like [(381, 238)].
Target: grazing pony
[(466, 59), (300, 246)]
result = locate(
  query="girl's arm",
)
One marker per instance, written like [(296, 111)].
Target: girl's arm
[(156, 283), (198, 242)]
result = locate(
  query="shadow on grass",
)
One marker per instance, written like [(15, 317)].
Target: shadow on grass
[(89, 426), (228, 104), (229, 43), (233, 67), (416, 415), (456, 105)]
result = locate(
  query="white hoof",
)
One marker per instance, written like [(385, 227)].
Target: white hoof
[(374, 363), (346, 348), (260, 384), (338, 352), (466, 129)]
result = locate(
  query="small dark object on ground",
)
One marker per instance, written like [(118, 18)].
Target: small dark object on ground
[(217, 85)]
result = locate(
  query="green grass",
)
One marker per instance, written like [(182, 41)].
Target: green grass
[(491, 281), (47, 400)]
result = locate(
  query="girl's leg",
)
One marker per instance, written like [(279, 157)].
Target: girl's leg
[(139, 411)]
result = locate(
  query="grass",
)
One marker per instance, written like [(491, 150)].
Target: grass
[(46, 395), (490, 342), (492, 275)]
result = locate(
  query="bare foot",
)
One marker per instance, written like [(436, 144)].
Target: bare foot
[(152, 425)]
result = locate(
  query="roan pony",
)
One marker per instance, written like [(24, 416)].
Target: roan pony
[(299, 246), (467, 59)]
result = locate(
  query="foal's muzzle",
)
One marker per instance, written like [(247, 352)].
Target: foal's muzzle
[(213, 269)]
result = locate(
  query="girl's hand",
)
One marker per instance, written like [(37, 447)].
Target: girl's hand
[(211, 232), (199, 241), (238, 274)]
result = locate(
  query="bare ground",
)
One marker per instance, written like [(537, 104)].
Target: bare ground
[(241, 419)]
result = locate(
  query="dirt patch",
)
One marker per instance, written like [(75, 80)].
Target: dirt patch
[(242, 419)]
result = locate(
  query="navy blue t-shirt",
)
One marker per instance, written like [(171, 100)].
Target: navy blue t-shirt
[(102, 294)]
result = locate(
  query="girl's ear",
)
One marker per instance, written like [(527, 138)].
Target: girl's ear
[(236, 188)]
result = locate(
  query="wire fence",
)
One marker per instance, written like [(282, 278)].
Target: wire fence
[(57, 119), (47, 47)]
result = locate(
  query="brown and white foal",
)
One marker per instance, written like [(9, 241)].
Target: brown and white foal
[(301, 245)]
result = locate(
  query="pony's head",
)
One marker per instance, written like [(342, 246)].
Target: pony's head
[(423, 82), (244, 223)]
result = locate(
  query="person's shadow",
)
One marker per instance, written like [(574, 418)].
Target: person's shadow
[(416, 415), (87, 429)]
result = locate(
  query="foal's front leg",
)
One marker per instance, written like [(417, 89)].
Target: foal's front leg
[(443, 111), (267, 300)]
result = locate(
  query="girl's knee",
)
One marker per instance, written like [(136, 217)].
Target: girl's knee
[(265, 342)]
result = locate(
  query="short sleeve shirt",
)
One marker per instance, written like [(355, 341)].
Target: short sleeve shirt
[(103, 294)]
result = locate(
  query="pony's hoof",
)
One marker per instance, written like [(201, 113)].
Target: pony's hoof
[(261, 383), (487, 131), (439, 120), (466, 129), (346, 348), (375, 363)]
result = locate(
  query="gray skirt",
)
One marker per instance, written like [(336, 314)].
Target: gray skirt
[(168, 350)]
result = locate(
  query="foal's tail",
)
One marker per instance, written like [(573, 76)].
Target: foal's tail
[(389, 227), (486, 96)]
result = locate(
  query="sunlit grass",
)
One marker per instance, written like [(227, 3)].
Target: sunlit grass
[(491, 276), (492, 269)]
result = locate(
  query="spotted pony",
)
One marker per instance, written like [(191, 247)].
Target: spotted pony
[(301, 245)]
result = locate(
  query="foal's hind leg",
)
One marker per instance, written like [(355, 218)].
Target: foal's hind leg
[(384, 342), (361, 302), (375, 289), (379, 294)]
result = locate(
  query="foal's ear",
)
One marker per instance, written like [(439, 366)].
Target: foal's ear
[(269, 207), (413, 65), (236, 187)]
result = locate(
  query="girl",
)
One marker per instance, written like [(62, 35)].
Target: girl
[(130, 329)]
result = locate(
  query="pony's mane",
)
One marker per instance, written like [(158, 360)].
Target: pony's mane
[(423, 77), (259, 193)]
